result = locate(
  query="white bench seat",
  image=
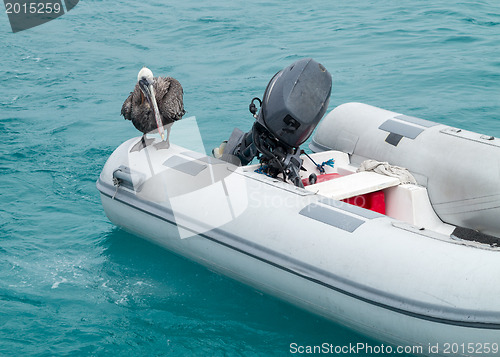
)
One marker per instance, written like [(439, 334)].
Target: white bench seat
[(353, 185)]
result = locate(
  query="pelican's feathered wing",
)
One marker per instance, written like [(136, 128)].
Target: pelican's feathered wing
[(169, 95)]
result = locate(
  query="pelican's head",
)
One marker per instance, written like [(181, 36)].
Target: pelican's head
[(145, 74), (145, 79)]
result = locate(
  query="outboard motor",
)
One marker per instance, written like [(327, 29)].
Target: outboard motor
[(294, 102)]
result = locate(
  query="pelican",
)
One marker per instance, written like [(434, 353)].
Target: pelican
[(154, 103)]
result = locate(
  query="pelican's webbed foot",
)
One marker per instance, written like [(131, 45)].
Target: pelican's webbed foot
[(141, 144), (162, 145)]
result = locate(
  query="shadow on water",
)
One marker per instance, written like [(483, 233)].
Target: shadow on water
[(216, 311)]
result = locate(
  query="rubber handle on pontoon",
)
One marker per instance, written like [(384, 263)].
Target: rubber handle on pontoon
[(126, 177)]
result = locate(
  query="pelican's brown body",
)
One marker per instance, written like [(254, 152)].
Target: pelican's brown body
[(169, 97)]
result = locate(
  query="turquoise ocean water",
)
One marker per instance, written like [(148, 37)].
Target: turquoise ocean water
[(73, 284)]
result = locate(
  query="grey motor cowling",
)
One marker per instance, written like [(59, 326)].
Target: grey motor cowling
[(295, 100)]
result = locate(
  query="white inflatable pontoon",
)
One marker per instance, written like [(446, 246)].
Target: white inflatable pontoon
[(423, 272)]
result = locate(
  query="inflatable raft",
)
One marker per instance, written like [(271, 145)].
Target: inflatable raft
[(410, 264)]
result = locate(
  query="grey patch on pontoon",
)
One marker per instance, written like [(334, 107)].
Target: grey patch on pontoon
[(393, 139), (414, 120), (140, 145), (203, 158), (351, 208), (332, 217), (475, 236), (186, 166), (403, 129)]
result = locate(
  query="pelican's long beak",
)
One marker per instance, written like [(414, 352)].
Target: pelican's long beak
[(149, 93)]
